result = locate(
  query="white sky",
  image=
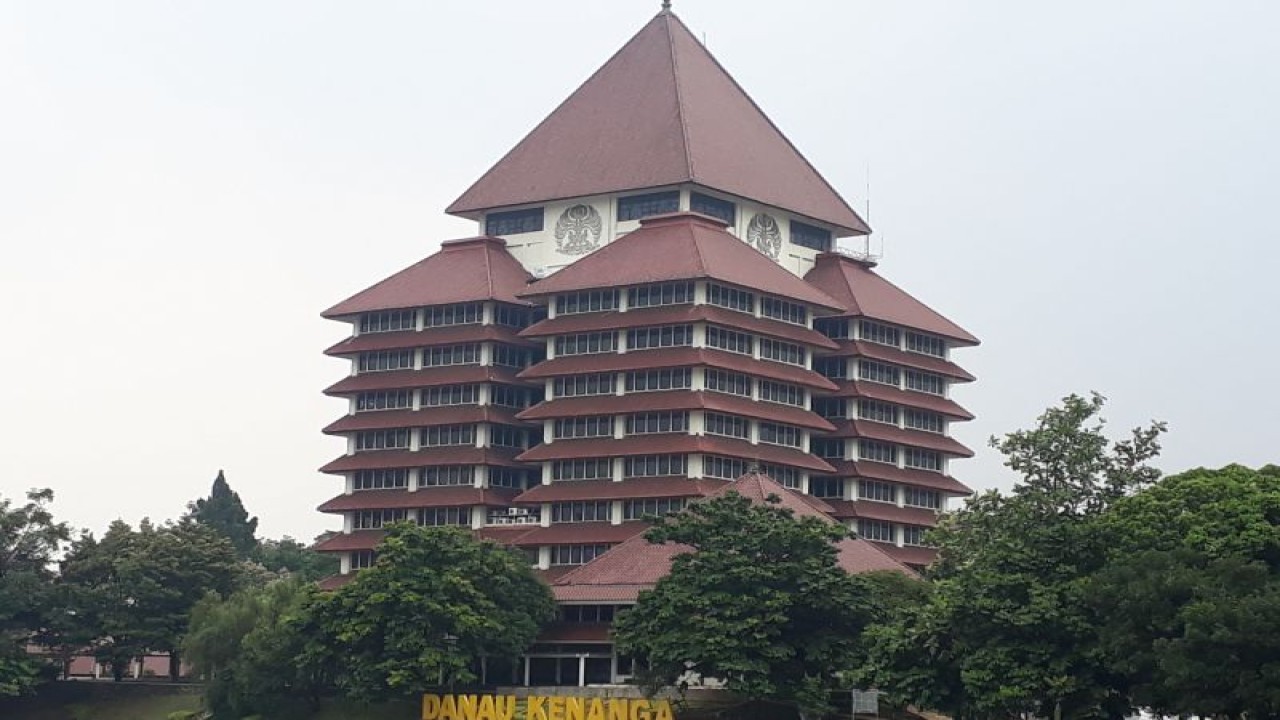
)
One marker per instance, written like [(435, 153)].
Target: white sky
[(185, 186)]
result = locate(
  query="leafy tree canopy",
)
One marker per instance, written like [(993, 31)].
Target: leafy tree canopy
[(29, 540), (287, 555), (224, 512), (760, 604), (436, 602)]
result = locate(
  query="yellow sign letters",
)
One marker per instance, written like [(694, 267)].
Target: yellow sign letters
[(542, 707)]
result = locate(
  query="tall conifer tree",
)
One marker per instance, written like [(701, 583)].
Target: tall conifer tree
[(224, 512)]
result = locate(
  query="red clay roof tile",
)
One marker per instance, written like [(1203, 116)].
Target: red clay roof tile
[(909, 555), (634, 488), (901, 357), (693, 126), (898, 396), (431, 337), (900, 436), (668, 444), (384, 459), (889, 512), (422, 498), (675, 400), (450, 415), (865, 293), (675, 315), (575, 533), (906, 476), (469, 270), (427, 377), (676, 357)]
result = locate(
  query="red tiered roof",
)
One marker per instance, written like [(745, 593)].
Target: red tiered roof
[(620, 574), (429, 337), (907, 476), (677, 315), (674, 443), (422, 498), (883, 511), (426, 377), (454, 455), (676, 357), (900, 436), (910, 555), (898, 396), (695, 124), (633, 489), (862, 292), (469, 270), (680, 246), (447, 415), (917, 361), (676, 400)]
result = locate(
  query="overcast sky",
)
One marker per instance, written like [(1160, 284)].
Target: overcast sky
[(185, 186)]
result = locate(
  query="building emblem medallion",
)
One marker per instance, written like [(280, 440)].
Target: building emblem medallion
[(764, 234), (578, 230)]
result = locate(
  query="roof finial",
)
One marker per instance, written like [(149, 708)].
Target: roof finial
[(666, 5)]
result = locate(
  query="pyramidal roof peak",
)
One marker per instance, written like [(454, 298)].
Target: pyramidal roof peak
[(662, 111)]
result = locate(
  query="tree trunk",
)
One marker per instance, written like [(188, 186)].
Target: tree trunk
[(175, 666)]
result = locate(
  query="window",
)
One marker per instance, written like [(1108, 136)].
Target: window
[(444, 516), (878, 491), (877, 411), (447, 475), (713, 206), (726, 425), (591, 511), (577, 385), (512, 397), (374, 519), (924, 420), (656, 465), (731, 298), (831, 408), (876, 530), (503, 436), (832, 368), (878, 333), (878, 372), (639, 206), (783, 352), (442, 435), (384, 400), (913, 535), (784, 476), (389, 321), (586, 343), (922, 459), (461, 314), (920, 497), (834, 328), (678, 293), (877, 451), (362, 559), (586, 613), (652, 380), (511, 316), (380, 479), (600, 469), (659, 337), (583, 427), (730, 383), (781, 393), (787, 312), (385, 360), (509, 478), (826, 487), (513, 222), (926, 382), (576, 554), (926, 344), (831, 448), (814, 238), (451, 395), (651, 507), (657, 422), (382, 439), (776, 434), (586, 302), (451, 355), (508, 356), (723, 467), (735, 342)]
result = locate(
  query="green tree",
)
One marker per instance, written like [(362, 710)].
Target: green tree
[(136, 589), (224, 512), (1190, 597), (435, 604), (760, 603), (29, 540), (250, 648), (290, 556), (1008, 628)]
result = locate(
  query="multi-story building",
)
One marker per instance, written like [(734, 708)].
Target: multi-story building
[(657, 305)]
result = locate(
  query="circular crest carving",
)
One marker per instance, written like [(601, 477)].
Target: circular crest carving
[(764, 233), (578, 230)]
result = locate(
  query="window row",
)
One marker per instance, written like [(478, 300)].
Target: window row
[(445, 395), (881, 531), (444, 436), (444, 476), (377, 519)]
